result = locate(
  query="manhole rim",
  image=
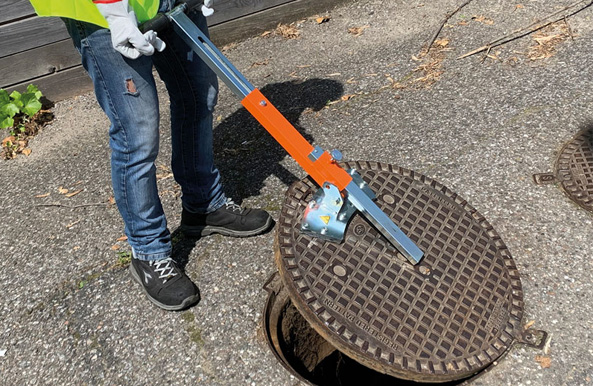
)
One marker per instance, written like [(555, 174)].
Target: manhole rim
[(515, 312)]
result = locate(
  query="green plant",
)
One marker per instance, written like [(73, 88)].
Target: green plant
[(124, 258), (27, 104)]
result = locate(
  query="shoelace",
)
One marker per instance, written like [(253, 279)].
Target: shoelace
[(164, 268), (230, 205)]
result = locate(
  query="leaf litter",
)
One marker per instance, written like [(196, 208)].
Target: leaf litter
[(430, 69), (547, 40), (13, 145)]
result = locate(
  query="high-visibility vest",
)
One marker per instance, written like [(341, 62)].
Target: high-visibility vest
[(85, 10)]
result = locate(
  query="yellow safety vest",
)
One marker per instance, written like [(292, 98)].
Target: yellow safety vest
[(85, 10)]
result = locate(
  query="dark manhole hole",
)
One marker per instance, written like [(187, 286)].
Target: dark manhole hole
[(444, 320), (574, 170)]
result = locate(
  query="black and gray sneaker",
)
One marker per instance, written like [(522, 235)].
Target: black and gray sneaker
[(229, 220), (165, 284)]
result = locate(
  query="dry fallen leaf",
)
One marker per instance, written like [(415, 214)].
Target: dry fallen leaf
[(357, 31), (347, 97), (62, 190), (528, 325), (545, 39), (115, 247), (8, 139), (26, 151), (544, 361), (442, 42), (288, 31), (73, 193), (519, 6), (111, 200), (322, 19), (122, 238), (483, 19), (73, 223), (42, 195)]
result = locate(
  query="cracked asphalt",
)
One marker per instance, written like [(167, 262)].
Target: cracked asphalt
[(71, 313)]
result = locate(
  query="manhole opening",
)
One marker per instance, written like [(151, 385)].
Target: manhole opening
[(315, 361), (445, 320)]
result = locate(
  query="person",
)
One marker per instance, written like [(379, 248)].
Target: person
[(119, 59)]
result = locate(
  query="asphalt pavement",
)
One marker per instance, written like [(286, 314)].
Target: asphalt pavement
[(356, 81)]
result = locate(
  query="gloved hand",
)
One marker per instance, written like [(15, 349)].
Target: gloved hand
[(125, 35), (207, 8)]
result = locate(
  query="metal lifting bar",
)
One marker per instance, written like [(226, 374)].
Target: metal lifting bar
[(321, 165)]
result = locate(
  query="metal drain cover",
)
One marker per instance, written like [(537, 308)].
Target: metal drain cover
[(444, 319), (574, 170)]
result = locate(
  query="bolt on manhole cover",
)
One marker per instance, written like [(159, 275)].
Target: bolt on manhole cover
[(574, 170), (444, 319)]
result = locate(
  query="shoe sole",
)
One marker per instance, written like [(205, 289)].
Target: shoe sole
[(186, 302), (207, 230)]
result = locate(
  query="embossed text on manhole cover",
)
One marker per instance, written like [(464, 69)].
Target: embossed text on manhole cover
[(446, 318)]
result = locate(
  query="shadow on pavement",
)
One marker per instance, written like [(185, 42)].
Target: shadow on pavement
[(246, 154)]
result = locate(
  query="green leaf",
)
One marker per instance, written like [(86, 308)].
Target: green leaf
[(16, 99), (4, 98), (9, 110), (6, 122), (31, 104), (32, 89)]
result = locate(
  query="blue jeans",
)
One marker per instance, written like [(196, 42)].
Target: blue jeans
[(126, 91)]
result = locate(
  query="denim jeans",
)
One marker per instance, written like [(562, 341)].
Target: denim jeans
[(125, 89)]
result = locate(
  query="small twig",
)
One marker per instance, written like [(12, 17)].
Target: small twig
[(71, 206), (521, 32), (438, 32), (69, 226)]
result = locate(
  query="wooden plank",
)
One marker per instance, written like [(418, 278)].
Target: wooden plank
[(61, 85), (259, 22), (30, 33), (38, 62), (74, 81), (15, 9), (225, 10)]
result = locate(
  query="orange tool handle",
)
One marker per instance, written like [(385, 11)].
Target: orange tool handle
[(322, 170)]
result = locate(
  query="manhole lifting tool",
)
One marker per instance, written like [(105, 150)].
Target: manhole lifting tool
[(342, 192)]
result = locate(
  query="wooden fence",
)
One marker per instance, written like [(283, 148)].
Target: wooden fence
[(38, 50)]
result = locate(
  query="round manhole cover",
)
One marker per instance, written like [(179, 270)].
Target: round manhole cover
[(443, 319), (574, 169)]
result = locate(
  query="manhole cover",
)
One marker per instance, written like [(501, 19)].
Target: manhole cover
[(444, 319), (574, 170)]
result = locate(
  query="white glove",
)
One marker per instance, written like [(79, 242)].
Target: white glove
[(207, 8), (125, 35)]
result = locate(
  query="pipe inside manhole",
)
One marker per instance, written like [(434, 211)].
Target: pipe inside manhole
[(309, 357)]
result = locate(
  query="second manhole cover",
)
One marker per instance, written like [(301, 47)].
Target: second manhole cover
[(444, 319), (574, 169)]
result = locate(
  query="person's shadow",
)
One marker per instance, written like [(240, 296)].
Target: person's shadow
[(246, 154)]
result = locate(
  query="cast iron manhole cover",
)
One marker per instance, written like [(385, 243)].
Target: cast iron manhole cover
[(444, 319), (574, 170)]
